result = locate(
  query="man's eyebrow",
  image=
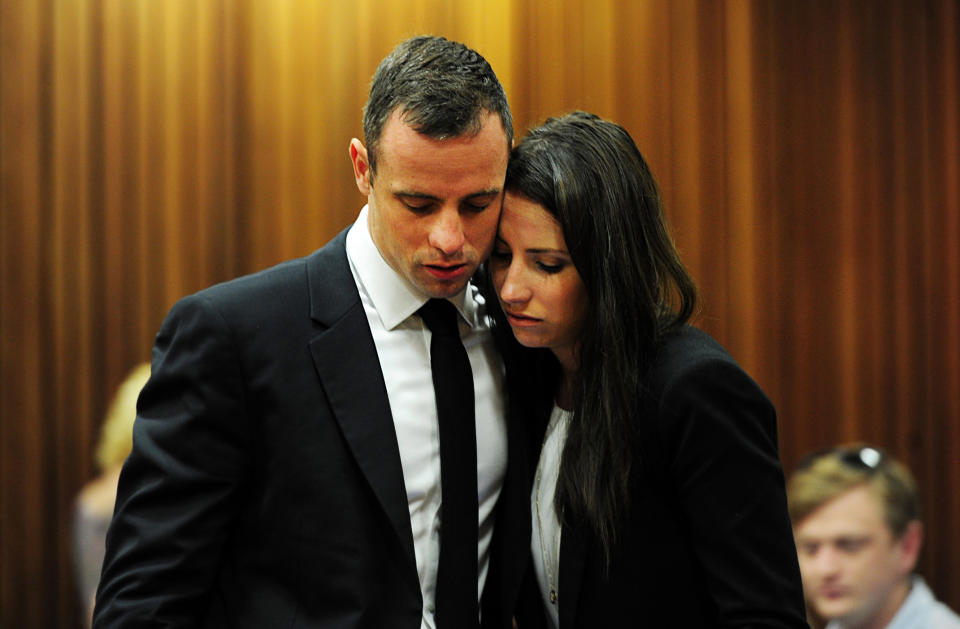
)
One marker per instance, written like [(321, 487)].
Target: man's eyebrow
[(484, 193), (423, 195), (415, 195)]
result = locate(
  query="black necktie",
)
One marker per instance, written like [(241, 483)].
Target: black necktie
[(456, 595)]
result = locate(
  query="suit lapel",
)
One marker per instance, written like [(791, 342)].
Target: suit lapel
[(346, 361), (510, 549)]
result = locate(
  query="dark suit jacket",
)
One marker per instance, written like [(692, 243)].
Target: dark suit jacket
[(265, 487), (708, 542)]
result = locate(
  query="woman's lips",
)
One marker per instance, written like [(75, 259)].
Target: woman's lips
[(522, 321)]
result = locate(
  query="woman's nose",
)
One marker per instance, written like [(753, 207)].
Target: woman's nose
[(514, 289)]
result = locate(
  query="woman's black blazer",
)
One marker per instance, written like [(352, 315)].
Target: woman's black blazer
[(708, 542)]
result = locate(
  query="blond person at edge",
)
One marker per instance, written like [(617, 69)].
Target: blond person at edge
[(857, 523), (286, 468), (94, 505), (658, 499)]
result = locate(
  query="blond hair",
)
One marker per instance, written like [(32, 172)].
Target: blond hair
[(823, 477), (116, 434)]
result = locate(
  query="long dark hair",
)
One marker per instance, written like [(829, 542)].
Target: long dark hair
[(589, 173)]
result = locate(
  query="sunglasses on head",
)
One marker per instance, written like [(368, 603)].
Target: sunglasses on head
[(859, 457)]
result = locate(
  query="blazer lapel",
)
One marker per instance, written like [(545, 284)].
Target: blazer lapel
[(346, 361), (572, 565)]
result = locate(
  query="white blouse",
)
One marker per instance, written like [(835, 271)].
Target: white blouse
[(545, 542)]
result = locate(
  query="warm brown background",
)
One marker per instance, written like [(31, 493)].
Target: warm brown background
[(807, 150)]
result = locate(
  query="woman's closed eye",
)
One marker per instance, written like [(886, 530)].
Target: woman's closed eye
[(551, 269)]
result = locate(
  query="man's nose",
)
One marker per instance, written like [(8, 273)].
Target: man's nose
[(826, 561), (446, 233)]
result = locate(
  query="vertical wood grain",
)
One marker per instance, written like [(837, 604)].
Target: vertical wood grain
[(808, 155)]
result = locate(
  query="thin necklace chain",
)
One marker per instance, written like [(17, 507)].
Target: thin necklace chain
[(547, 561)]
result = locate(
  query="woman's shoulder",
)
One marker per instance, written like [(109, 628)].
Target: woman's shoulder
[(697, 388), (687, 347), (690, 358)]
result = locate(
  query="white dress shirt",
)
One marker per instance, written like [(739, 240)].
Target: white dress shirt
[(403, 347)]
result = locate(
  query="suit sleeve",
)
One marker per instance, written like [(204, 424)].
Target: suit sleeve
[(178, 490), (719, 430)]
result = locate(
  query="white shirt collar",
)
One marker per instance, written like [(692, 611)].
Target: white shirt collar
[(393, 297)]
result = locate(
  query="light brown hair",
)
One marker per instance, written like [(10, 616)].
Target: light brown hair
[(823, 476)]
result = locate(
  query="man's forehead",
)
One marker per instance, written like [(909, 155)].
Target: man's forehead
[(398, 131), (834, 536), (856, 512), (455, 168)]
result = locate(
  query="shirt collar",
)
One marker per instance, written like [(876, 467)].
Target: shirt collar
[(393, 298)]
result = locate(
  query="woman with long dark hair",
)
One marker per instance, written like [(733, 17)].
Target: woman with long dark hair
[(658, 496)]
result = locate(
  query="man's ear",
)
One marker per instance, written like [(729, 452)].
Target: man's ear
[(361, 166), (910, 545)]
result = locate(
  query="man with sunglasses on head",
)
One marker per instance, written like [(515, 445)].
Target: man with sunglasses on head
[(857, 526)]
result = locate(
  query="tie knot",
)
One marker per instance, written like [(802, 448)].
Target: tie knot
[(440, 316)]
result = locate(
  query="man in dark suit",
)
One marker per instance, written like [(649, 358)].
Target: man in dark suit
[(286, 468)]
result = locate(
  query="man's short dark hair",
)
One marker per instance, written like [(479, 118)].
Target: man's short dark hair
[(441, 87)]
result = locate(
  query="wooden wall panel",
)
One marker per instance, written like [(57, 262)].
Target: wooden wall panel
[(853, 166), (24, 171), (807, 153)]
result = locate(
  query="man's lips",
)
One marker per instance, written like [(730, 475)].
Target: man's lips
[(446, 271), (833, 592)]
